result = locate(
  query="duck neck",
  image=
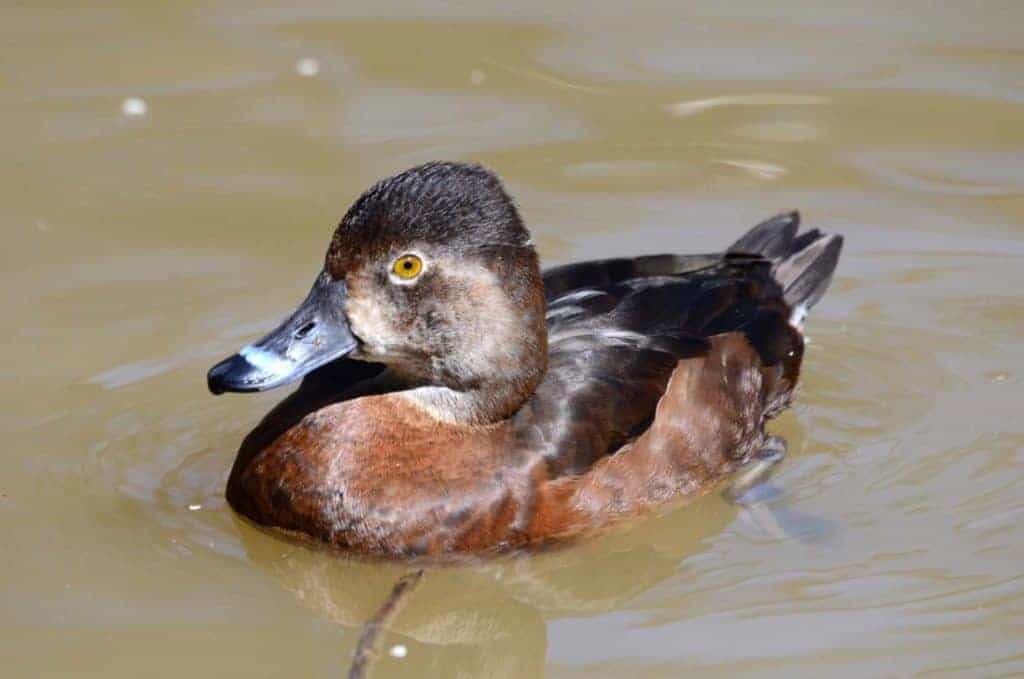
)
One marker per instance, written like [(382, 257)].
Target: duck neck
[(493, 378), (483, 405)]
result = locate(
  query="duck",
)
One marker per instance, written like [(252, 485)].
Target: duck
[(458, 401)]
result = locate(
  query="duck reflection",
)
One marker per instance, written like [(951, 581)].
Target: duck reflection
[(487, 618)]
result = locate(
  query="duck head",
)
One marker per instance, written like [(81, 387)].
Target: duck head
[(432, 273)]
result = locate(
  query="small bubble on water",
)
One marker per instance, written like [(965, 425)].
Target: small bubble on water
[(398, 651), (307, 67), (477, 77), (195, 507), (134, 107)]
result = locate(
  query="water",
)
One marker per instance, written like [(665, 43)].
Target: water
[(141, 243)]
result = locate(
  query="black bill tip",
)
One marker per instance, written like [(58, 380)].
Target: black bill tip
[(234, 373)]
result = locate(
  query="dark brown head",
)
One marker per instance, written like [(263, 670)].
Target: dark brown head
[(432, 273)]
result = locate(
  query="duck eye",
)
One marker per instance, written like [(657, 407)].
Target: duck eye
[(407, 267)]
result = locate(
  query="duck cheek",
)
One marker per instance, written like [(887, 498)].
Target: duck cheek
[(379, 331), (368, 326)]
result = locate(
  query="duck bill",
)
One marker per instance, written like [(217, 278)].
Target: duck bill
[(315, 334)]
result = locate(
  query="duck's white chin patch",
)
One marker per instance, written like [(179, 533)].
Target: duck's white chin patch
[(265, 361)]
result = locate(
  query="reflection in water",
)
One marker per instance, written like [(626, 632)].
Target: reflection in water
[(485, 618)]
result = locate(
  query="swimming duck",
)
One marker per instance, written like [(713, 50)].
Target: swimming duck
[(459, 401)]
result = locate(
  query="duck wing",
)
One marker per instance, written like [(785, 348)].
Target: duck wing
[(617, 329)]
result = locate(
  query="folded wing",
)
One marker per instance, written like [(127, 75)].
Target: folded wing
[(618, 328)]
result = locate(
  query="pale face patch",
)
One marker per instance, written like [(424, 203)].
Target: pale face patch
[(372, 320)]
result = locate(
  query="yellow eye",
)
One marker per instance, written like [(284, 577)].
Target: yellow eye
[(407, 267)]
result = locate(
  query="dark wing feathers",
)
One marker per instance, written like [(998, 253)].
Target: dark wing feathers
[(597, 394), (618, 327), (602, 272)]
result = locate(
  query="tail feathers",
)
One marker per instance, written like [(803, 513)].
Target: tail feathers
[(772, 238), (802, 264), (805, 275)]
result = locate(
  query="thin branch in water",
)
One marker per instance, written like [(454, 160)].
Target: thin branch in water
[(366, 649)]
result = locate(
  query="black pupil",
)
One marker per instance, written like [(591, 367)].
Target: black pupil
[(407, 264)]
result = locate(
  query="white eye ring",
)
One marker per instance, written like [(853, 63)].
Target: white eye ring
[(407, 268)]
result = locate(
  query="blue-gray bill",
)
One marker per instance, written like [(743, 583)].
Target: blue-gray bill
[(315, 334)]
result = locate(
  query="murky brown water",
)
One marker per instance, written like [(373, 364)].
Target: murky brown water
[(138, 250)]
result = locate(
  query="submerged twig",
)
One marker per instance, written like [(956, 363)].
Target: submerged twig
[(366, 651)]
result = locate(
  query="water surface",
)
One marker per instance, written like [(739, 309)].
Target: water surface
[(139, 249)]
